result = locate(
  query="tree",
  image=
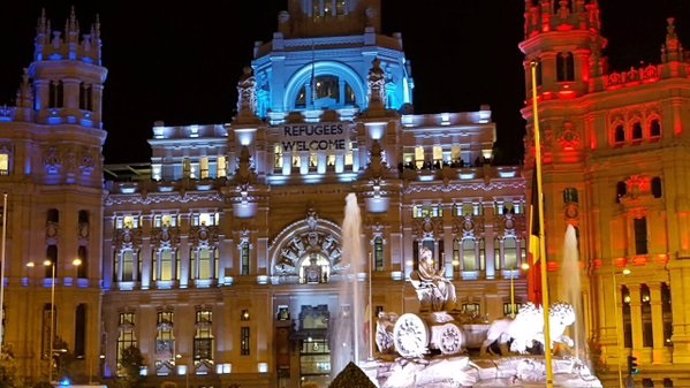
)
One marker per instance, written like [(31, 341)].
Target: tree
[(131, 362)]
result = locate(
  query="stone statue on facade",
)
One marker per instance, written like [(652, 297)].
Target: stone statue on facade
[(246, 96), (376, 82), (435, 292)]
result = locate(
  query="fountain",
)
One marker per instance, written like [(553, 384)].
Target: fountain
[(348, 342), (570, 287)]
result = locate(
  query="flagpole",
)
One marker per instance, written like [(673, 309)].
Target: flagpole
[(542, 243)]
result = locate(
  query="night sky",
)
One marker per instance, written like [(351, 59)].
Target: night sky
[(180, 62)]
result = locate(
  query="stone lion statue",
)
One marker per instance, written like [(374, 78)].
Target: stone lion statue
[(528, 326)]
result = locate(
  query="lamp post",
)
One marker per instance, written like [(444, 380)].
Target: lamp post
[(49, 263), (624, 272)]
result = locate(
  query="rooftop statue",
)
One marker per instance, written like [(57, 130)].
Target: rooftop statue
[(435, 292)]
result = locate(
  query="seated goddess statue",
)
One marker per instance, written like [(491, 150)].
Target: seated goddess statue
[(435, 292)]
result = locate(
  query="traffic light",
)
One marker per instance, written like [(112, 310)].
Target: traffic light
[(632, 365)]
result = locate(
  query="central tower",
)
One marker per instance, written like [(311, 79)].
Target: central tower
[(320, 58)]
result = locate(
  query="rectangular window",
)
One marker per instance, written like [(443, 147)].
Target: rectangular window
[(278, 156), (205, 219), (165, 340), (203, 168), (244, 258), (167, 260), (419, 156), (378, 254), (640, 225), (205, 264), (4, 164), (350, 154), (203, 338), (80, 331), (470, 308), (437, 152), (245, 341), (126, 339), (186, 168), (222, 167), (469, 256), (127, 273), (313, 161)]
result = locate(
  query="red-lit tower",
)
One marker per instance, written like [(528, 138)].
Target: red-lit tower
[(615, 160)]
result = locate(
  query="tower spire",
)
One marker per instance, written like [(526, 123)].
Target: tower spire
[(672, 49)]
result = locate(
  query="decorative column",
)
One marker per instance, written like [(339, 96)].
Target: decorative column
[(636, 316)]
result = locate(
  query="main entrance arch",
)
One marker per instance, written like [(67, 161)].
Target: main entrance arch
[(307, 251)]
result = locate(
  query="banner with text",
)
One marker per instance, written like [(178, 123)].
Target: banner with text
[(315, 137)]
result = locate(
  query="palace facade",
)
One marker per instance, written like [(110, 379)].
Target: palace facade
[(221, 259)]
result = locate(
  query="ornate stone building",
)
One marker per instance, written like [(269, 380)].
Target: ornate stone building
[(221, 259), (615, 160)]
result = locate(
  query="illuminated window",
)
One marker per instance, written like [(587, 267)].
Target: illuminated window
[(313, 161), (330, 161), (4, 164), (469, 255), (278, 156), (340, 7), (470, 308), (203, 168), (205, 219), (222, 167), (164, 220), (203, 263), (164, 265), (437, 152), (296, 160), (621, 191), (165, 338), (419, 156), (126, 338), (125, 272), (455, 153), (349, 156), (203, 337), (510, 253), (427, 211)]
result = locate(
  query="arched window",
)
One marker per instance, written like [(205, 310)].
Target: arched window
[(619, 134), (637, 131), (469, 255), (83, 216), (325, 91), (85, 96), (655, 129), (656, 187), (565, 70)]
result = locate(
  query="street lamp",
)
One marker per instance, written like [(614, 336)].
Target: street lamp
[(624, 272)]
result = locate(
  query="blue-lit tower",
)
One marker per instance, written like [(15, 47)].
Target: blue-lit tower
[(320, 57), (51, 167)]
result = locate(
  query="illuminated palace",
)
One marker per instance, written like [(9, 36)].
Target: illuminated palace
[(220, 259), (616, 161)]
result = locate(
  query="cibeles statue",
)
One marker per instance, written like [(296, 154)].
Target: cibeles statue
[(435, 292)]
